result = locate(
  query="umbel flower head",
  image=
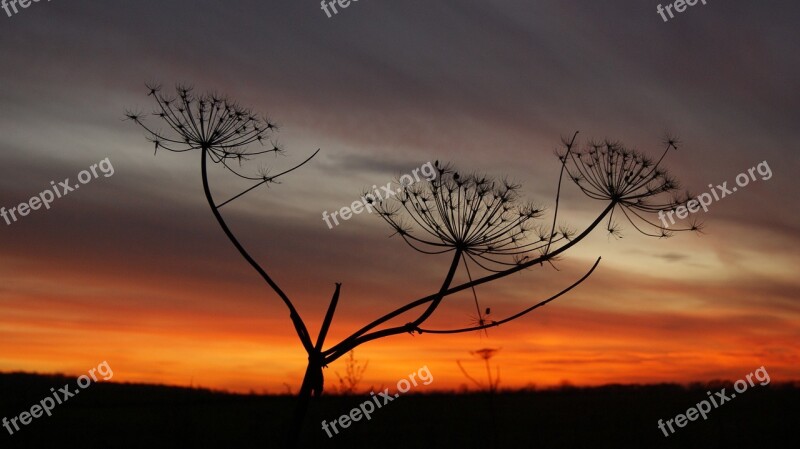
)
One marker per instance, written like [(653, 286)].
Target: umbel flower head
[(210, 122), (638, 186), (485, 353), (480, 216)]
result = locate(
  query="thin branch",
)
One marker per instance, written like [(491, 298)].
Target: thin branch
[(326, 323), (359, 336), (270, 179), (558, 192), (480, 385), (299, 325), (517, 315)]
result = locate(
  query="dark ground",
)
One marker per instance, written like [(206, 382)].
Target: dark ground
[(108, 415)]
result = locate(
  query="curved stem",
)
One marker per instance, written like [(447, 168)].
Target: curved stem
[(518, 315), (299, 326), (558, 192), (458, 362), (445, 285), (330, 355), (358, 337)]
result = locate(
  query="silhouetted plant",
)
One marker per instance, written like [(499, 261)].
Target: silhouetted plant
[(353, 374), (491, 387), (484, 354), (475, 218), (608, 171)]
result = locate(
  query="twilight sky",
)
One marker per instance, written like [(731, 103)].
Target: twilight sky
[(133, 269)]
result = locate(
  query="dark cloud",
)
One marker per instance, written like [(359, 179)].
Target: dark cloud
[(672, 257)]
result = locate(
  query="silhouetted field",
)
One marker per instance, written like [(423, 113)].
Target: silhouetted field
[(109, 415)]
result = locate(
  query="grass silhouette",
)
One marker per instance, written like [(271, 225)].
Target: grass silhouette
[(120, 416)]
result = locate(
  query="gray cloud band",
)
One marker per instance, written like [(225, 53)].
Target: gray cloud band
[(384, 192)]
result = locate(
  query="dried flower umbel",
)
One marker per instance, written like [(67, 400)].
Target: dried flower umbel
[(214, 124), (482, 217), (486, 355), (638, 186), (206, 121)]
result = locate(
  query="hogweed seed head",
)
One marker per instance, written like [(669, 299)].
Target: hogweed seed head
[(483, 217), (209, 122), (637, 186)]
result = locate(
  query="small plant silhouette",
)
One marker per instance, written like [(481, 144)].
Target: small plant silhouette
[(354, 373), (475, 218), (486, 355), (491, 387)]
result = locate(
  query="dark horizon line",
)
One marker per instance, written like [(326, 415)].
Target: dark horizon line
[(530, 388)]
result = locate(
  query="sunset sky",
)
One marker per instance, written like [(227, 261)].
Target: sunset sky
[(133, 269)]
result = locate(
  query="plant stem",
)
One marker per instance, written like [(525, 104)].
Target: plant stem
[(300, 327)]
